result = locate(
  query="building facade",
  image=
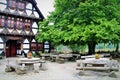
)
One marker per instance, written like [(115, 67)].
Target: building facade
[(18, 27)]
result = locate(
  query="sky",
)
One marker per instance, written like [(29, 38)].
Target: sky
[(45, 6)]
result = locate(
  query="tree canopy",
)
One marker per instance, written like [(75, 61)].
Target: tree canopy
[(82, 22)]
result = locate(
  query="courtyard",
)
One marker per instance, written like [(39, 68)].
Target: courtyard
[(55, 71)]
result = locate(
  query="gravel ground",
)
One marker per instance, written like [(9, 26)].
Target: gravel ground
[(56, 71)]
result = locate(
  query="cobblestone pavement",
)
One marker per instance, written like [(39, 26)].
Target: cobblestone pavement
[(55, 71)]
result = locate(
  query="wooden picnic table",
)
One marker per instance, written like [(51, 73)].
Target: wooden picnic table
[(30, 62), (97, 64)]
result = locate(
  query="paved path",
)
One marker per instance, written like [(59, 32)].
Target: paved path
[(55, 71)]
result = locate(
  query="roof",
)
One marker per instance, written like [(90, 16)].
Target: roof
[(34, 3)]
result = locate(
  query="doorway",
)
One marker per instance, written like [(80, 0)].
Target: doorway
[(11, 48)]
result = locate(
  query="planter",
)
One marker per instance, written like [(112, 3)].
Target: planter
[(29, 55), (97, 56)]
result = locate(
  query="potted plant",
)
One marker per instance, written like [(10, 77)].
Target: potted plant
[(97, 56), (29, 55)]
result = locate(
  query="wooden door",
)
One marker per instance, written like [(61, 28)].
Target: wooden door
[(11, 48)]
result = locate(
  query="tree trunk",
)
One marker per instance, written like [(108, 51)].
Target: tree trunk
[(117, 47), (91, 48)]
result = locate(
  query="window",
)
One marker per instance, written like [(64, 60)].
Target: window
[(2, 21), (27, 25), (10, 23), (19, 24), (12, 4), (40, 46), (33, 46), (21, 6)]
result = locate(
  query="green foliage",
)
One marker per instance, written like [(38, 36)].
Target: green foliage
[(78, 48), (82, 22)]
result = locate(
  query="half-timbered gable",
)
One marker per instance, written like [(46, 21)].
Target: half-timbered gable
[(18, 26)]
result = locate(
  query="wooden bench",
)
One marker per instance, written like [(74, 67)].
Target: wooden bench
[(93, 68), (98, 68), (16, 68), (97, 64), (92, 56)]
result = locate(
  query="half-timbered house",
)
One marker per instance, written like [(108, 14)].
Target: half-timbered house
[(18, 27)]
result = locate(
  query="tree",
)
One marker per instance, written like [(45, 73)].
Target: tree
[(82, 22)]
